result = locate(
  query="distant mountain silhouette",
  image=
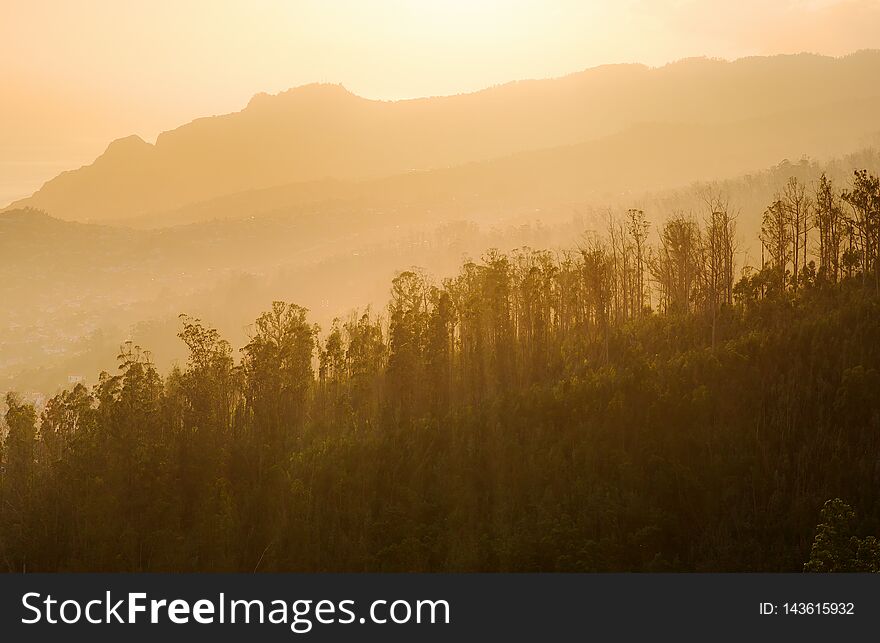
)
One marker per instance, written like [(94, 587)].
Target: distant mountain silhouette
[(642, 158), (679, 122)]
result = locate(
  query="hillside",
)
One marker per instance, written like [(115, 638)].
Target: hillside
[(701, 118), (616, 171), (508, 420), (74, 291)]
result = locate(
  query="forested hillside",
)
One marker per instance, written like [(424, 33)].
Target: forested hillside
[(626, 405)]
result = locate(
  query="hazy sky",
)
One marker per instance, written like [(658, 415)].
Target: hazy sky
[(76, 74)]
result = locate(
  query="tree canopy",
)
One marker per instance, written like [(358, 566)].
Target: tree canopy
[(626, 405)]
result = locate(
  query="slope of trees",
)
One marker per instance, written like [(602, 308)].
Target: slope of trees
[(633, 404)]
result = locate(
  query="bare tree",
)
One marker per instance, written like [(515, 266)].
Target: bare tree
[(637, 227), (776, 240), (676, 265), (719, 249), (797, 208), (828, 220)]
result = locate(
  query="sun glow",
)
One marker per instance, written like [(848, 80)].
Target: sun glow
[(78, 74)]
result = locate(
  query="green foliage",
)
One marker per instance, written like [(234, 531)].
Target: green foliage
[(836, 549)]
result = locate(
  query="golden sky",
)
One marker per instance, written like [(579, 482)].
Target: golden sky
[(76, 74)]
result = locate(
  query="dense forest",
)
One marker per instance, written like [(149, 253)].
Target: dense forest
[(640, 403)]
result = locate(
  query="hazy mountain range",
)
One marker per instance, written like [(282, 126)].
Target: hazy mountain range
[(597, 132)]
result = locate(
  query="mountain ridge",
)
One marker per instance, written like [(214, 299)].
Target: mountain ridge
[(577, 173), (323, 131)]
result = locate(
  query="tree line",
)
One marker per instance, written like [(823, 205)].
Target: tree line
[(639, 402)]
